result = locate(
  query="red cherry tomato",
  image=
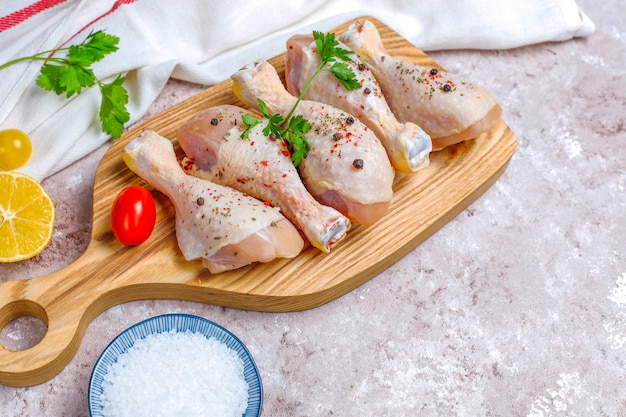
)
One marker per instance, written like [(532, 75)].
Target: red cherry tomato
[(133, 215)]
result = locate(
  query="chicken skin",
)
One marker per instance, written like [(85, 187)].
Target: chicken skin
[(259, 166), (222, 227), (347, 167), (448, 107), (408, 146)]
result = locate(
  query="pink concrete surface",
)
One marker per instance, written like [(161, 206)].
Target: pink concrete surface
[(517, 307)]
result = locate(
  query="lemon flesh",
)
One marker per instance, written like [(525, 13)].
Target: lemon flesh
[(27, 216)]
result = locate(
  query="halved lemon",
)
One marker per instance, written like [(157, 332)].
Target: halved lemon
[(26, 217)]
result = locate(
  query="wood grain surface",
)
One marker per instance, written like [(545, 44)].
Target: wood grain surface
[(109, 273)]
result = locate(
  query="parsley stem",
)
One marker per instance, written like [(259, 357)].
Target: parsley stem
[(36, 57), (302, 93), (15, 61)]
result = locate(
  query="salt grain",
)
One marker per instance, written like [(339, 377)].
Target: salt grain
[(175, 374)]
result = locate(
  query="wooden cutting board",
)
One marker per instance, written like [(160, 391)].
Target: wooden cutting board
[(109, 273)]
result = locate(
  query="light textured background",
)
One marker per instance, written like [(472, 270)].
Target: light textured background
[(517, 307)]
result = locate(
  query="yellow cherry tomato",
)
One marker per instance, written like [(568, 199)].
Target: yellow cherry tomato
[(15, 149)]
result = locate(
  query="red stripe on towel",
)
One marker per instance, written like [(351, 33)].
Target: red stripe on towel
[(19, 16), (115, 6)]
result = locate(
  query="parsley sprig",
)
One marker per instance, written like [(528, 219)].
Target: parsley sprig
[(292, 135), (292, 129), (70, 74)]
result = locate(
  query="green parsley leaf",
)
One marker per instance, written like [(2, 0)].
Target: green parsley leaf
[(274, 121), (299, 124), (68, 79), (97, 45), (295, 137), (250, 121), (113, 113), (100, 44), (342, 54), (329, 49), (273, 126), (263, 108), (298, 146), (345, 75), (325, 44)]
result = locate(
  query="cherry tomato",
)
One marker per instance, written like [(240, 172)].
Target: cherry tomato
[(133, 215), (15, 149)]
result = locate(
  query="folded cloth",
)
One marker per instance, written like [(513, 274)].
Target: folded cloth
[(205, 42)]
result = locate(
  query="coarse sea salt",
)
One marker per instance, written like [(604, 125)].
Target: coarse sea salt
[(175, 374)]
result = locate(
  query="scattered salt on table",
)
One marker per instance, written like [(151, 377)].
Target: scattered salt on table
[(175, 374)]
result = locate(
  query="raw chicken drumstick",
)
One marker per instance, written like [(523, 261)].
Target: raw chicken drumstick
[(449, 108), (259, 166), (223, 227), (407, 145), (347, 167)]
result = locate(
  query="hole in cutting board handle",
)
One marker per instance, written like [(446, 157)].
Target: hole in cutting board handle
[(23, 324)]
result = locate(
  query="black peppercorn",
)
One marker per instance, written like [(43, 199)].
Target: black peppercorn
[(362, 67), (200, 201), (357, 163), (447, 87), (434, 71), (214, 121), (272, 136), (367, 90), (336, 137), (350, 120)]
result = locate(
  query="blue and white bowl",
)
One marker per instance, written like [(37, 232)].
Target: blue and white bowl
[(178, 323)]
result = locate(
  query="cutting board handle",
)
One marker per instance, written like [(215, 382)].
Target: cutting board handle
[(63, 300), (105, 275)]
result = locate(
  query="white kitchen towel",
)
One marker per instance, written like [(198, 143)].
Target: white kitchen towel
[(206, 41)]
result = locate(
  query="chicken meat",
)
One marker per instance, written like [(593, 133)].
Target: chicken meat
[(448, 107), (347, 167), (258, 166), (407, 145), (223, 227)]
